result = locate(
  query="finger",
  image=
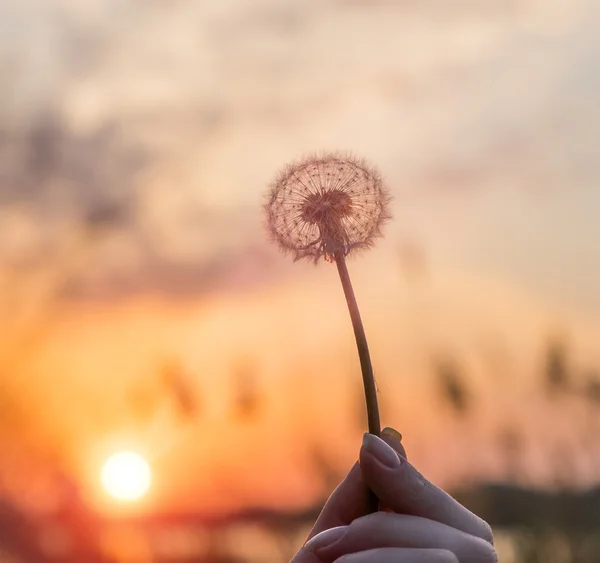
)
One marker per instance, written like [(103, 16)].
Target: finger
[(350, 499), (403, 489), (394, 439), (399, 555), (383, 529)]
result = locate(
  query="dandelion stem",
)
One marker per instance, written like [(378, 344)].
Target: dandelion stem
[(363, 348), (365, 360)]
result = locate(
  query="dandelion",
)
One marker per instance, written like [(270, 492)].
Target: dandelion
[(327, 207)]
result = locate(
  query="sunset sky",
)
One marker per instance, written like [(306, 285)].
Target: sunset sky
[(137, 140)]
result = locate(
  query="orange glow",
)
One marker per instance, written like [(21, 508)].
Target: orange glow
[(126, 476)]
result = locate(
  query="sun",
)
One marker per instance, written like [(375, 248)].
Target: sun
[(126, 476)]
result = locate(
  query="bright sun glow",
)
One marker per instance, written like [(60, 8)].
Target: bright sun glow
[(126, 476)]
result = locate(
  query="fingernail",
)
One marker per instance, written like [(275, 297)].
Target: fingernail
[(383, 453), (326, 538), (389, 431)]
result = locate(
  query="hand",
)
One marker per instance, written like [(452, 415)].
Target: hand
[(420, 524)]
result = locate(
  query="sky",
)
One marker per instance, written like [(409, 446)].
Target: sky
[(137, 140)]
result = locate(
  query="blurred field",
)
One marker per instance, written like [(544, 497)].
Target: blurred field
[(141, 307)]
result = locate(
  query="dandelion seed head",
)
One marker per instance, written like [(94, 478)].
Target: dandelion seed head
[(326, 205)]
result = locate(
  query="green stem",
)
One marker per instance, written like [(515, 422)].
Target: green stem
[(365, 359)]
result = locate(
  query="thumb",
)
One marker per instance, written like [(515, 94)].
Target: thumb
[(349, 501)]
